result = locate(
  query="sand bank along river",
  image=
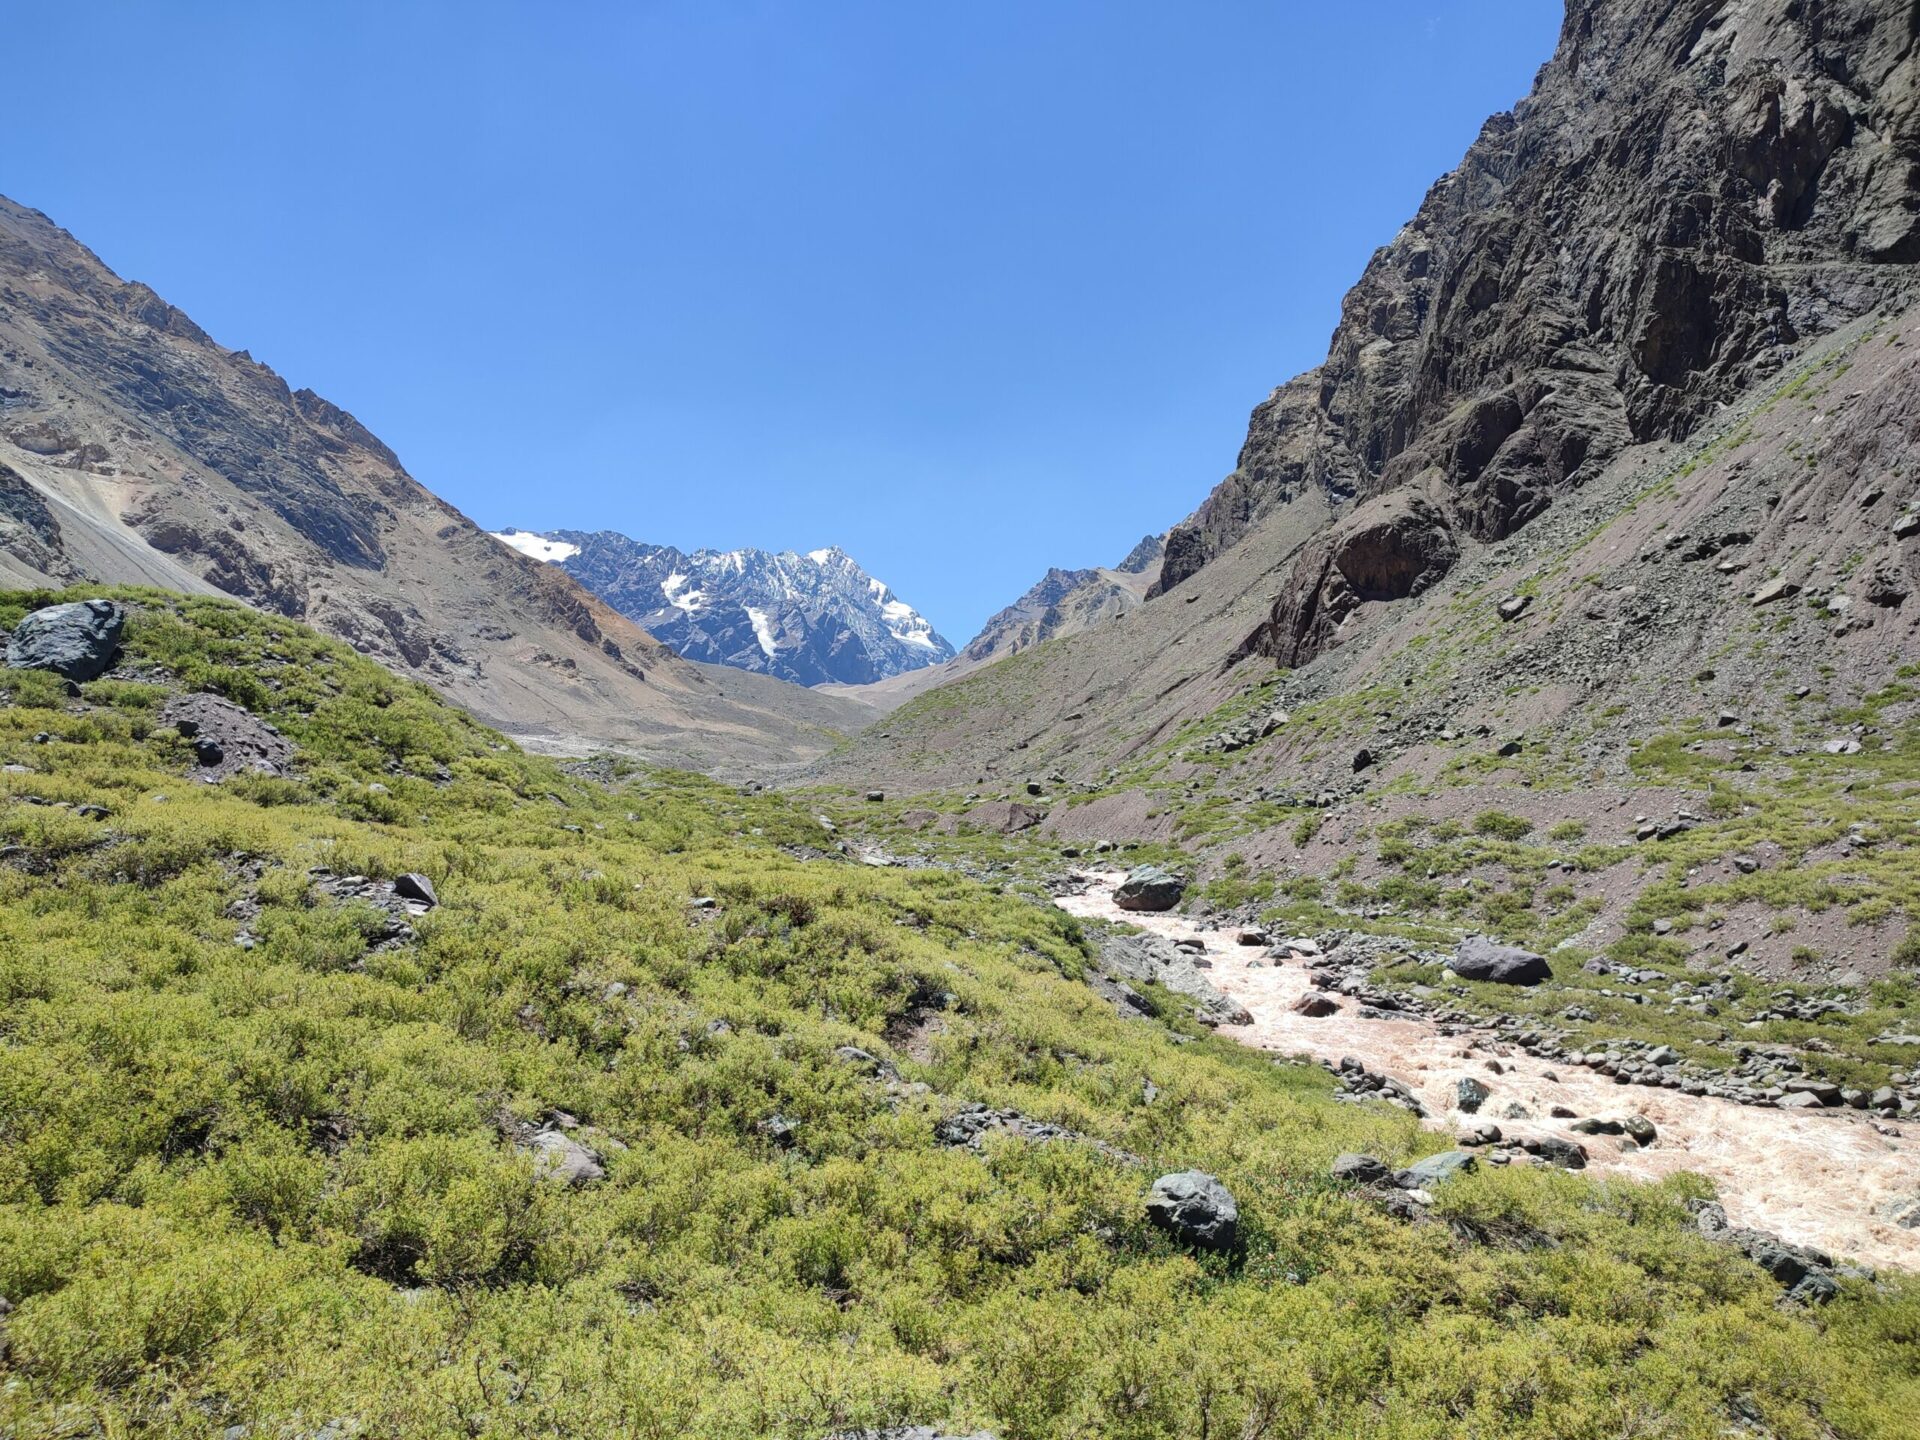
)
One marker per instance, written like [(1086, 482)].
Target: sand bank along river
[(1822, 1178)]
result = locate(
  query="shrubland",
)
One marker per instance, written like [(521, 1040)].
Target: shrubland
[(262, 1161)]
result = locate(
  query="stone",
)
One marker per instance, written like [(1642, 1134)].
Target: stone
[(76, 641), (415, 886), (1362, 758), (557, 1156), (1314, 1006), (1427, 1173), (1149, 888), (1775, 590), (1479, 958), (875, 797), (1907, 526), (1514, 606), (1469, 1094), (1357, 1169), (1567, 1154), (1640, 1129), (1196, 1209)]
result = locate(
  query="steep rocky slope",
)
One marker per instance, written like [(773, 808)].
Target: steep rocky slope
[(135, 448), (1694, 201), (1064, 602), (813, 619), (1690, 193)]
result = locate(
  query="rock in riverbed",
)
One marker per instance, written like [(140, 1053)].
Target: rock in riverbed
[(1149, 888)]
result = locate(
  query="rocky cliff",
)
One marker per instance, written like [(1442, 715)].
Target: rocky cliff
[(1690, 193)]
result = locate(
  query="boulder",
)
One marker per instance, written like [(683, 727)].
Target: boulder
[(1470, 1094), (1427, 1173), (557, 1156), (1359, 1169), (1003, 817), (417, 887), (76, 641), (1314, 1006), (1149, 888), (1195, 1208), (1479, 958)]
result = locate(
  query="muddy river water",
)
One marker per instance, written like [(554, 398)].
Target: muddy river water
[(1821, 1177)]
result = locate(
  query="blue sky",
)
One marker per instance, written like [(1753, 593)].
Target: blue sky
[(968, 289)]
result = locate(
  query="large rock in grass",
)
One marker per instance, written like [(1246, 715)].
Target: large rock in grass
[(1479, 958), (1149, 888), (76, 641), (558, 1157), (1196, 1209)]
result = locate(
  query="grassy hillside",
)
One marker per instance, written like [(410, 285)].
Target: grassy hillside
[(258, 1163)]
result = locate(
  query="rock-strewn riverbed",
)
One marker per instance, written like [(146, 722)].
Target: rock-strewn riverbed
[(1827, 1178)]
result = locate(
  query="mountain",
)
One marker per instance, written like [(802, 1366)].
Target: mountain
[(813, 619), (1600, 370), (134, 448), (1064, 602)]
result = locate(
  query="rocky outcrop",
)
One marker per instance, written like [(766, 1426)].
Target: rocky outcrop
[(76, 641), (1689, 192), (1196, 1209)]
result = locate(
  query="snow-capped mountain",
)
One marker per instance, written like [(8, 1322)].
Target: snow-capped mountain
[(815, 619)]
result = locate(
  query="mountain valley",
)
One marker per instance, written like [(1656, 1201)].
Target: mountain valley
[(1428, 946)]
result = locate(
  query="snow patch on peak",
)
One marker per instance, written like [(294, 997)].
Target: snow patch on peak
[(537, 546), (762, 630)]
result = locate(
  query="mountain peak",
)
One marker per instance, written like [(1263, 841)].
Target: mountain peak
[(815, 618)]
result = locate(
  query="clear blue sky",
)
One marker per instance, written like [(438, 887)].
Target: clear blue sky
[(968, 288)]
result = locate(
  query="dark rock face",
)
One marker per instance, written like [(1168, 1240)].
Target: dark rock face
[(1689, 192), (1479, 958), (1149, 888), (75, 641), (1196, 1209)]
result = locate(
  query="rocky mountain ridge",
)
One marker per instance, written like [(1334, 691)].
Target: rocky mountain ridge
[(1689, 193), (135, 449), (1064, 602), (813, 619)]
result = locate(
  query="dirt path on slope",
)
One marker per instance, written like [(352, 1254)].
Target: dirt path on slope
[(1812, 1177)]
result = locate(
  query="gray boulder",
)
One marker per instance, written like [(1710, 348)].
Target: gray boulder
[(417, 887), (1469, 1095), (1195, 1208), (76, 641), (1479, 958), (1425, 1174), (557, 1156), (1149, 888), (1359, 1169)]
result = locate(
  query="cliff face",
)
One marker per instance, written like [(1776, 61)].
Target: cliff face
[(1693, 189)]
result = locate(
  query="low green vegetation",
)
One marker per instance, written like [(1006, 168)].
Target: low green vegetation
[(258, 1159)]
